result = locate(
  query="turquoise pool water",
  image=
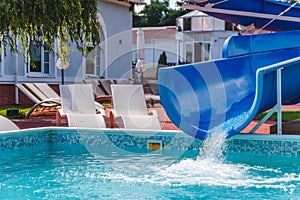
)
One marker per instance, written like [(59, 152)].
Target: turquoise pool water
[(60, 168)]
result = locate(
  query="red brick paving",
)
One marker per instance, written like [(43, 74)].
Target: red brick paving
[(263, 129), (50, 120)]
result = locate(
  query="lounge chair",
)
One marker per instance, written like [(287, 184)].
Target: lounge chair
[(78, 104), (154, 97), (7, 125), (47, 90), (149, 98), (106, 86), (38, 97), (100, 95), (124, 81), (129, 104)]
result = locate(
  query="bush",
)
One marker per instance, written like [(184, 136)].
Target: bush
[(162, 62), (22, 111), (162, 59)]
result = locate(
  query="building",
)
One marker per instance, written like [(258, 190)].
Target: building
[(112, 59), (157, 40), (201, 37), (197, 37)]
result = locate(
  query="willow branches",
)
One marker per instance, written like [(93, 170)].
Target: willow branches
[(43, 21)]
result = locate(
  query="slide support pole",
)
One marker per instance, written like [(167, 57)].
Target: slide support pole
[(279, 102), (276, 107)]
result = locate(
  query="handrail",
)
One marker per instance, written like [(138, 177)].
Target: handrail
[(278, 67), (240, 13), (283, 64)]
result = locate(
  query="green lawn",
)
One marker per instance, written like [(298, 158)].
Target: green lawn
[(286, 115), (22, 111)]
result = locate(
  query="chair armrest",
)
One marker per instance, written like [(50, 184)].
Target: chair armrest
[(59, 113), (153, 112), (112, 115), (99, 108)]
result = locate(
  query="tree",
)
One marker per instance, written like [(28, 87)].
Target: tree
[(154, 12), (43, 21), (172, 15), (157, 13), (162, 62)]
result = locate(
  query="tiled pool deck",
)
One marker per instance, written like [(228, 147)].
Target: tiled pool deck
[(169, 138), (45, 119)]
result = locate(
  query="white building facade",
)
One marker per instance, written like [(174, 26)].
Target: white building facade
[(112, 59), (157, 40), (197, 37), (201, 37)]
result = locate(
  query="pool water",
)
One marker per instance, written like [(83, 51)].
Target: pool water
[(76, 171)]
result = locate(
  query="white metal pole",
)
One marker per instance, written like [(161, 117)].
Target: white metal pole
[(279, 101), (16, 79)]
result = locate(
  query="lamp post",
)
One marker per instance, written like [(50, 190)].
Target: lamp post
[(60, 64)]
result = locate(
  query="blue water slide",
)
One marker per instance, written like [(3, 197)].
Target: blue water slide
[(226, 94), (272, 7)]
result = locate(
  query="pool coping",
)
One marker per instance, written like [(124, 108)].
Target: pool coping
[(138, 132), (170, 139)]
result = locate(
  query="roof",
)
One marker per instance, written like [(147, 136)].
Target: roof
[(139, 2), (127, 3), (150, 33), (194, 13)]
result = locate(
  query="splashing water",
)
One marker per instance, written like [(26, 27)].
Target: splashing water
[(213, 148), (210, 168)]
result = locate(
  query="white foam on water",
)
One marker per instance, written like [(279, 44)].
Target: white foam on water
[(209, 169)]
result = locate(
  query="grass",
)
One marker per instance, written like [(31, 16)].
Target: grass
[(22, 111), (286, 115)]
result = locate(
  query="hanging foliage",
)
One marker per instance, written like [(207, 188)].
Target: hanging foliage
[(43, 21)]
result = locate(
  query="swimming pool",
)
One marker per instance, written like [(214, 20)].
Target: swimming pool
[(64, 163)]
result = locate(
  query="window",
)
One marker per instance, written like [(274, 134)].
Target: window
[(187, 24), (229, 26), (93, 63), (39, 59), (2, 61), (2, 56), (205, 51), (196, 47), (179, 25), (197, 52), (189, 53)]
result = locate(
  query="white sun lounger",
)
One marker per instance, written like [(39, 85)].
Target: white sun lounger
[(129, 104), (38, 97), (99, 94), (7, 125), (47, 90), (77, 103)]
